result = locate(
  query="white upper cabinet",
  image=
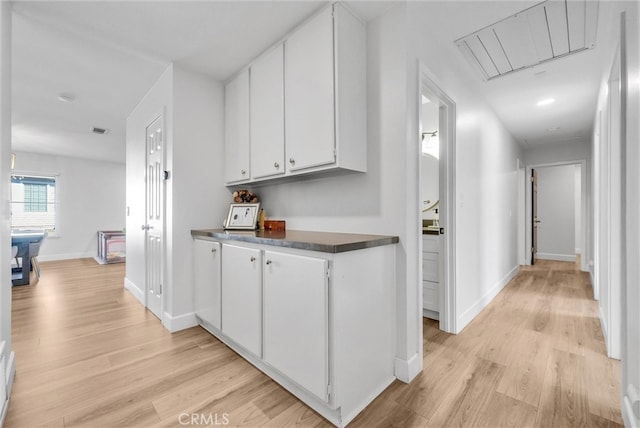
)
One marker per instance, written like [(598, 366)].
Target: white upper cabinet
[(236, 135), (267, 115), (309, 94), (307, 103)]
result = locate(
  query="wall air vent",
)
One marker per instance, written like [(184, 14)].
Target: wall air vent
[(544, 32), (99, 131)]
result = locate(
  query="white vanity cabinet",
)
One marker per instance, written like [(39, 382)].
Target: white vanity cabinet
[(267, 114), (236, 129), (314, 311), (242, 296), (296, 288), (206, 264), (431, 275)]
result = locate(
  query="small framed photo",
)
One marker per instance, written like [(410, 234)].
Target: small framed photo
[(242, 216)]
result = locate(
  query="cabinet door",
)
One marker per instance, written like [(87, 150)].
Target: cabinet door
[(267, 115), (242, 296), (296, 319), (309, 94), (236, 136), (206, 264)]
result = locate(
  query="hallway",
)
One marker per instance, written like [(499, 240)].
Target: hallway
[(89, 355), (534, 357)]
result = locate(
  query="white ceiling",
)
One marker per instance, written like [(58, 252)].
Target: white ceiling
[(108, 54), (573, 81)]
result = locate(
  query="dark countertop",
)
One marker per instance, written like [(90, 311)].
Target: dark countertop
[(325, 242)]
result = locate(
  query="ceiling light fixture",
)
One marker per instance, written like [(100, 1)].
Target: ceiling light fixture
[(546, 102), (66, 97)]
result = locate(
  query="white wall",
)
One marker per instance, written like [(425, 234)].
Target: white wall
[(157, 100), (195, 195), (631, 228), (556, 212), (5, 179), (91, 197), (486, 171), (577, 206)]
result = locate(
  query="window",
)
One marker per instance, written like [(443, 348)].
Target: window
[(33, 202)]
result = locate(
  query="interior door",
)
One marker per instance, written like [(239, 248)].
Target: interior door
[(534, 215), (154, 221)]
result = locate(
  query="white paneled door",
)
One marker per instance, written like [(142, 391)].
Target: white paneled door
[(154, 218)]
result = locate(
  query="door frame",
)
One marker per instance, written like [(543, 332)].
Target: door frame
[(447, 129), (584, 264)]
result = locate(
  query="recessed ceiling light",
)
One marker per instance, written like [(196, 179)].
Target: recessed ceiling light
[(546, 102), (66, 97)]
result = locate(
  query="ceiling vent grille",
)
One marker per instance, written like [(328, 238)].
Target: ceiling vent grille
[(99, 131), (547, 31)]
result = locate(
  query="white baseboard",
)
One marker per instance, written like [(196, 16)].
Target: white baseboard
[(68, 256), (433, 315), (407, 370), (10, 375), (179, 322), (605, 329), (628, 416), (556, 257), (135, 290), (596, 295), (481, 303)]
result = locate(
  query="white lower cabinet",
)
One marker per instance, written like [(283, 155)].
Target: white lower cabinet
[(242, 296), (320, 324), (295, 288), (206, 264)]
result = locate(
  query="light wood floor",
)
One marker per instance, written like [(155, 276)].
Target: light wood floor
[(89, 355)]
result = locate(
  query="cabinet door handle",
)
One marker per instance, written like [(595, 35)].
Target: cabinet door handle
[(213, 250), (292, 161), (276, 165), (253, 259), (243, 172), (268, 262)]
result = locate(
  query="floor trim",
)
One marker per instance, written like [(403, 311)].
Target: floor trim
[(480, 304), (407, 370)]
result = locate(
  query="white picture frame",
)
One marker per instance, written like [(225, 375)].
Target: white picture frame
[(242, 216)]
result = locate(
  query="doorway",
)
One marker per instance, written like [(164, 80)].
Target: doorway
[(436, 190), (556, 209)]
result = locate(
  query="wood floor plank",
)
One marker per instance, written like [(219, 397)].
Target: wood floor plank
[(470, 400), (504, 411), (564, 401), (89, 355)]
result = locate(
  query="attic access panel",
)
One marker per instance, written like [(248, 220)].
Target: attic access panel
[(544, 32)]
